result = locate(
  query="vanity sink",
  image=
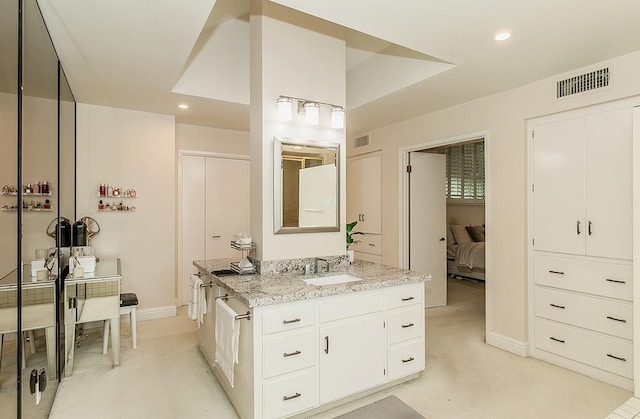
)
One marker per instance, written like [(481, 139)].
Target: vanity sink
[(332, 279)]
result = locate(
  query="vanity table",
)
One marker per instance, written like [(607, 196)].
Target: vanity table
[(38, 310), (93, 297)]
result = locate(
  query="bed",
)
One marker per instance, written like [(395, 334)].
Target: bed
[(466, 251)]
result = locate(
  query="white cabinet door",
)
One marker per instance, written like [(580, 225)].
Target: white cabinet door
[(352, 356), (608, 177), (227, 205), (364, 193), (558, 172)]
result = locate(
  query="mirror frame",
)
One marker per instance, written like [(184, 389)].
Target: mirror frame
[(278, 228)]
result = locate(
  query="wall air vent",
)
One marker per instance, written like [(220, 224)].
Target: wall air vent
[(583, 83), (361, 141)]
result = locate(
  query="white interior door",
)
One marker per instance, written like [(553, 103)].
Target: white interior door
[(191, 246), (427, 223), (227, 205), (317, 194)]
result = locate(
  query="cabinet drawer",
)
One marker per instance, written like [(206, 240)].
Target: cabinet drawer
[(287, 353), (606, 316), (605, 352), (405, 324), (293, 317), (368, 243), (606, 279), (342, 308), (289, 395), (406, 295), (406, 358)]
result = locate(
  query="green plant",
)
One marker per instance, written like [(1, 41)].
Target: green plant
[(350, 227)]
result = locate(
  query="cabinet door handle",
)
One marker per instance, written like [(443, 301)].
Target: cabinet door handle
[(589, 228), (617, 281), (578, 227), (284, 355), (285, 398), (617, 320), (617, 357), (556, 272), (326, 344), (408, 298), (556, 339), (407, 325), (216, 236), (290, 321), (408, 360), (371, 244), (557, 306)]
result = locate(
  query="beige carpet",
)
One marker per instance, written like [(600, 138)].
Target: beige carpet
[(166, 377), (390, 407)]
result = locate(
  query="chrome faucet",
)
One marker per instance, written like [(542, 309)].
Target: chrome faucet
[(317, 264)]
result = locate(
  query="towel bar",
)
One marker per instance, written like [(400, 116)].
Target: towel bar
[(225, 297), (208, 285), (246, 315)]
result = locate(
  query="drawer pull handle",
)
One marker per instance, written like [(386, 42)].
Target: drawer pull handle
[(556, 272), (285, 398), (290, 321), (557, 306), (618, 320), (617, 357), (408, 360), (556, 339), (408, 298), (407, 325), (617, 281), (372, 245), (291, 354)]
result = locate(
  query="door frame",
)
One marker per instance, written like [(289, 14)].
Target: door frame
[(182, 153), (403, 211)]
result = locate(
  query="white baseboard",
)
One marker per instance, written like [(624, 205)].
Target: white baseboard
[(506, 343), (156, 313)]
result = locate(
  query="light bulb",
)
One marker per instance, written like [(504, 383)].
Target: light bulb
[(285, 109), (312, 113), (337, 118)]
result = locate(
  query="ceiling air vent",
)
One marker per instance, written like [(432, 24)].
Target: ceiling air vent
[(583, 83), (361, 141)]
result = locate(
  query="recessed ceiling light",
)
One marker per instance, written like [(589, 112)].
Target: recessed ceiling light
[(502, 36), (183, 106)]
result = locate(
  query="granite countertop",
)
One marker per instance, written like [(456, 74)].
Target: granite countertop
[(261, 290)]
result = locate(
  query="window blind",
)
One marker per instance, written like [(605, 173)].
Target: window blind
[(465, 171)]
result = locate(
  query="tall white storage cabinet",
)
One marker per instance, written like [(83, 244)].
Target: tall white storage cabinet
[(364, 205), (214, 205), (581, 227)]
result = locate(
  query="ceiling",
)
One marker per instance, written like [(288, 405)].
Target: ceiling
[(404, 57)]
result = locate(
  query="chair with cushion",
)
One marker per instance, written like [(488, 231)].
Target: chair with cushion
[(128, 305)]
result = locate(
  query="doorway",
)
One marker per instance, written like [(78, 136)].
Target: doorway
[(410, 182)]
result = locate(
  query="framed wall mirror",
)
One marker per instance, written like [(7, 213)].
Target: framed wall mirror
[(306, 186)]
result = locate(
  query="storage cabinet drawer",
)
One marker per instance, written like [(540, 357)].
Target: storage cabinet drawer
[(406, 295), (606, 279), (293, 317), (287, 353), (605, 352), (368, 243), (289, 395), (351, 306), (405, 324), (406, 358), (606, 316)]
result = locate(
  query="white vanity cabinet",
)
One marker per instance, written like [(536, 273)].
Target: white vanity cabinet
[(309, 353)]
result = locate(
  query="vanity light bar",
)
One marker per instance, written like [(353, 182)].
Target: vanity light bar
[(311, 110)]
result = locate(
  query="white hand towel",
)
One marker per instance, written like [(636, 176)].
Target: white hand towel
[(193, 297), (227, 338), (202, 304)]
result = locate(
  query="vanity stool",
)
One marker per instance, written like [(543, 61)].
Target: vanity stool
[(128, 305)]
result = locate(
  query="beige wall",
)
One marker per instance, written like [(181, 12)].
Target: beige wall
[(465, 214), (213, 140), (503, 117), (133, 150)]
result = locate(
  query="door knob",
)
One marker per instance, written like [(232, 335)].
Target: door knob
[(442, 239)]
